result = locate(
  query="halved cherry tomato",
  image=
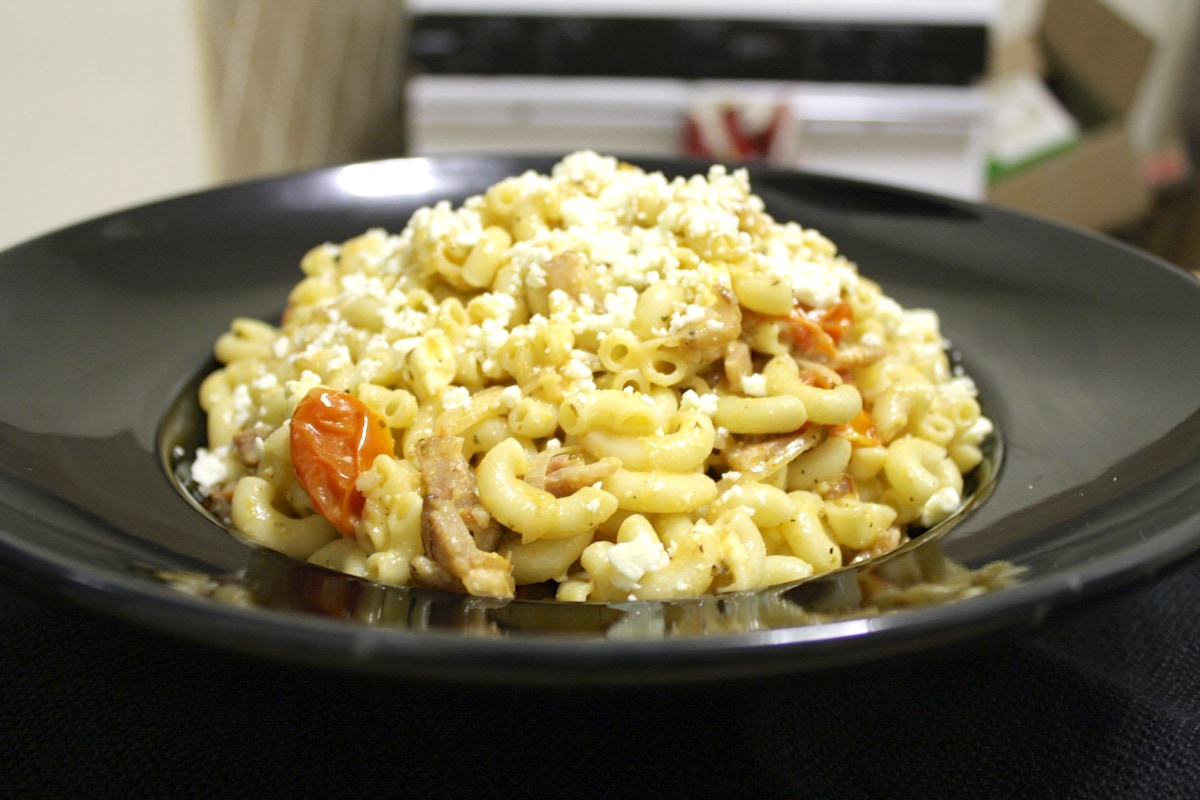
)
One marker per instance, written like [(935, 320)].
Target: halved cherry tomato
[(334, 438), (859, 431), (809, 337), (820, 331), (837, 320)]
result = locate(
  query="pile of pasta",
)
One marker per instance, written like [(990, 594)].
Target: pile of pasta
[(598, 383)]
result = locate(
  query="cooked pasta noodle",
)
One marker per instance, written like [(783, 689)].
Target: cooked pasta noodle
[(602, 381)]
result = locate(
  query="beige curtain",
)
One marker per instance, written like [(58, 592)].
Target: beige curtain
[(301, 83)]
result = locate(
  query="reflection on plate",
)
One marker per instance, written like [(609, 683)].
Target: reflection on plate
[(915, 578), (1081, 348)]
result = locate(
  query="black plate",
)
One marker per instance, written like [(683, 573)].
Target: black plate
[(1083, 350)]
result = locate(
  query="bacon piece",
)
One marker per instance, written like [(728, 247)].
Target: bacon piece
[(567, 473), (758, 457), (246, 444), (855, 356), (738, 364), (567, 272), (843, 486), (720, 325), (458, 533), (887, 541)]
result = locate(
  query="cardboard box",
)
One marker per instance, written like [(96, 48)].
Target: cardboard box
[(1094, 62)]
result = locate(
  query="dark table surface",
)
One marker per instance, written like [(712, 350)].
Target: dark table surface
[(1102, 702)]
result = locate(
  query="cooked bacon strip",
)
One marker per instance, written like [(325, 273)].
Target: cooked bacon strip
[(454, 421), (539, 463), (220, 505), (809, 338), (567, 473), (887, 541), (759, 457), (458, 533), (567, 272), (843, 486), (720, 325), (429, 573), (817, 374), (245, 444), (738, 364), (854, 356)]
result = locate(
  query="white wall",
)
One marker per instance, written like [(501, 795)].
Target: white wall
[(102, 108)]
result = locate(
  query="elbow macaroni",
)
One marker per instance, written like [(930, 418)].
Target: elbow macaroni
[(589, 317)]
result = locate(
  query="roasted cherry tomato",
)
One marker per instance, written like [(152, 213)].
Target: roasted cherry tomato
[(819, 332), (860, 430), (809, 337), (837, 320), (334, 438)]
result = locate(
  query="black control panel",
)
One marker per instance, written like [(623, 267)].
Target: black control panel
[(699, 49)]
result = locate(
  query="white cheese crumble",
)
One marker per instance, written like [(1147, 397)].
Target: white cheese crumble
[(733, 493), (633, 559), (510, 395), (209, 469), (979, 430), (704, 403), (941, 504), (456, 397), (687, 317), (268, 380), (754, 385)]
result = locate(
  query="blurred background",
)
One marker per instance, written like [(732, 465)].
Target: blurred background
[(1085, 111)]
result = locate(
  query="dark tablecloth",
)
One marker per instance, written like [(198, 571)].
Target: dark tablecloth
[(1103, 702)]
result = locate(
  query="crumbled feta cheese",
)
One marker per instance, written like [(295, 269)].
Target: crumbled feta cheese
[(704, 403), (510, 395), (535, 276), (209, 469), (721, 437), (687, 317), (754, 385), (268, 380), (918, 321), (731, 494), (941, 504), (405, 321), (456, 397), (576, 370), (633, 559)]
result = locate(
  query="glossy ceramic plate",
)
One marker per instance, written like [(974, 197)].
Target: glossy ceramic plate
[(1084, 352)]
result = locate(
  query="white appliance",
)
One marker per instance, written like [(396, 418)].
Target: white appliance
[(882, 90)]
